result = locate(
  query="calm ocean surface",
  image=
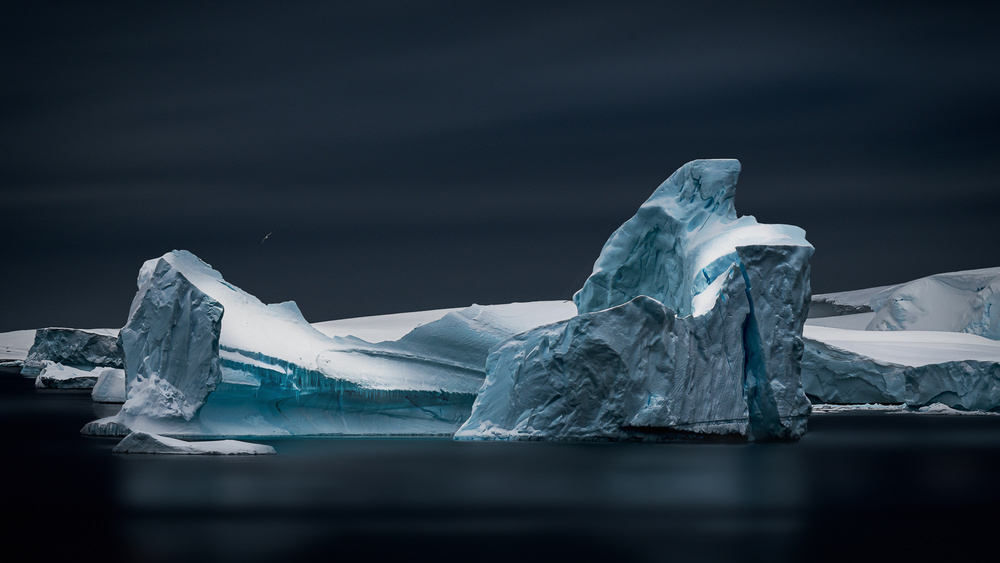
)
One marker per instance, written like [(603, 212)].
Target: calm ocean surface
[(895, 486)]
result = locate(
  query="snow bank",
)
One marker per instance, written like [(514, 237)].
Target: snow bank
[(966, 301)]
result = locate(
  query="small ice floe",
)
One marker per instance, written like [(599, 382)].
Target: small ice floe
[(143, 443)]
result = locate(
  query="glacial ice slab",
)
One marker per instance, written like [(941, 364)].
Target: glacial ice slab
[(689, 325), (844, 302), (81, 348)]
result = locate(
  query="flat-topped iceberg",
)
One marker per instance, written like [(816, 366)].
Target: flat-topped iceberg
[(688, 326), (932, 340), (59, 376), (204, 358), (79, 348), (919, 368)]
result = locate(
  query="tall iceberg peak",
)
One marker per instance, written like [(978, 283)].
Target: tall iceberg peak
[(681, 240), (689, 325)]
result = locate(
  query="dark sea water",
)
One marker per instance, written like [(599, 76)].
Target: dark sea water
[(857, 487)]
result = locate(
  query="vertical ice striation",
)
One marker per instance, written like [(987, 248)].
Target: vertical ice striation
[(778, 290), (689, 325)]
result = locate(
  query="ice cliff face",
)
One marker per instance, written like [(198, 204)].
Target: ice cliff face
[(171, 344), (689, 325), (850, 366)]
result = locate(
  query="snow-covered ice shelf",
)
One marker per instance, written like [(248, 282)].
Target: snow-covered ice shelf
[(932, 340)]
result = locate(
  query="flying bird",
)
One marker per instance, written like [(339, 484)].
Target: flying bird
[(267, 236)]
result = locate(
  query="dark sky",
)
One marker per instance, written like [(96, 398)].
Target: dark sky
[(419, 156)]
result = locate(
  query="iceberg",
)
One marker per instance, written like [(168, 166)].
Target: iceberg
[(688, 327), (919, 368), (110, 386), (59, 376), (73, 347), (932, 340), (144, 443), (965, 301), (204, 358)]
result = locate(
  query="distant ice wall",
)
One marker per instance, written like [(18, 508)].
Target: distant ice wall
[(955, 302)]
